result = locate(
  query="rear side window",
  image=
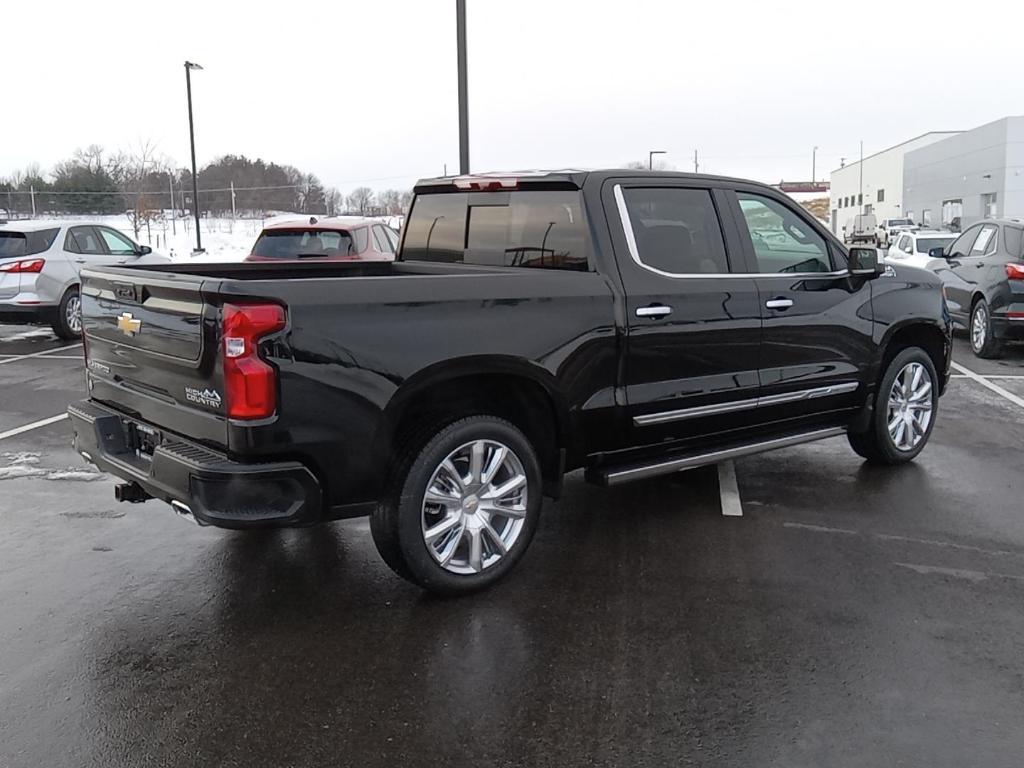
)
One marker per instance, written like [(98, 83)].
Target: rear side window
[(1014, 241), (985, 245), (540, 229), (37, 242), (83, 240), (676, 230), (26, 243), (299, 243)]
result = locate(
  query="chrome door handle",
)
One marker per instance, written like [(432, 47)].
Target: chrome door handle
[(659, 310), (779, 303)]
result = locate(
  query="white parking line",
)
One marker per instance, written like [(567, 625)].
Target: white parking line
[(729, 489), (33, 425), (46, 352), (989, 385)]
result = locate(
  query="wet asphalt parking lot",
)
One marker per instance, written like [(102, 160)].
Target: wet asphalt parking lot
[(853, 616)]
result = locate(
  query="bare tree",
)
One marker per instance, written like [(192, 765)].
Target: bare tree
[(134, 173), (360, 201), (390, 201), (405, 202), (334, 200)]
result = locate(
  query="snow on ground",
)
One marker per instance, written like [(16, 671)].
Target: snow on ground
[(223, 239)]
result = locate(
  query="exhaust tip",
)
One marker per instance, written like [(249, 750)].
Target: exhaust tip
[(183, 510)]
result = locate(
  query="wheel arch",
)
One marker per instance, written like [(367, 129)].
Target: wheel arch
[(916, 333), (519, 391)]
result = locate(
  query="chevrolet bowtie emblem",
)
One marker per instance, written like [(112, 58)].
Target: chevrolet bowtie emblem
[(127, 324)]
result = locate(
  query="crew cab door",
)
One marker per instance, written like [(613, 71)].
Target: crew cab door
[(692, 319), (816, 338)]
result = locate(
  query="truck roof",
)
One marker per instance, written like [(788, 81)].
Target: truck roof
[(575, 177)]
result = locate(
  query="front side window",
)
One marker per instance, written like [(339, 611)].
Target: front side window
[(985, 245), (676, 230), (117, 244), (783, 241), (962, 245), (536, 229)]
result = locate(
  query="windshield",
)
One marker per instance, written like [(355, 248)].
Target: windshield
[(303, 243), (925, 244)]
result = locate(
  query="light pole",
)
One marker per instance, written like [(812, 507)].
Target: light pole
[(460, 35), (650, 157), (814, 165), (189, 66)]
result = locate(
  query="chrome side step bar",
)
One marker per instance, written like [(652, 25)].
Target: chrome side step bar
[(616, 475)]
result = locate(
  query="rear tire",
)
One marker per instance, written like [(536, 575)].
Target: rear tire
[(906, 404), (984, 343), (447, 522), (68, 322)]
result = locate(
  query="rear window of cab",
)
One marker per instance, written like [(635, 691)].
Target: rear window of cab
[(310, 243)]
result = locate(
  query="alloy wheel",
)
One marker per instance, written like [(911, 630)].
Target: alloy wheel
[(979, 327), (474, 506), (73, 313), (910, 406)]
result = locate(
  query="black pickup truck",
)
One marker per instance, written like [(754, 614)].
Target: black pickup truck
[(629, 323)]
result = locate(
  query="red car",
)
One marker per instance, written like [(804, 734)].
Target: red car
[(338, 238)]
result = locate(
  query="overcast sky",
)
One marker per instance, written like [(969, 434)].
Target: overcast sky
[(365, 92)]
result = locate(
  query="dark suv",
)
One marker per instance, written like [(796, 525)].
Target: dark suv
[(983, 280)]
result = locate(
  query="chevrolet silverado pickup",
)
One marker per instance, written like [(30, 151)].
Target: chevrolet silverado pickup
[(627, 323)]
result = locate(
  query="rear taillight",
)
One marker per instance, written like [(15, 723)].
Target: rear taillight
[(21, 267), (250, 383), (1015, 271)]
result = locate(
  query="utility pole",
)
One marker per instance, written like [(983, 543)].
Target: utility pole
[(232, 199), (174, 212), (860, 199), (189, 66), (650, 157), (460, 34), (32, 194), (814, 165), (696, 165)]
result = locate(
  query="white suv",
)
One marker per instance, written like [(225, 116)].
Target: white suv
[(39, 266), (912, 248)]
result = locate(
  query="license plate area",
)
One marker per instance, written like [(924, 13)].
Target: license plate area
[(141, 439)]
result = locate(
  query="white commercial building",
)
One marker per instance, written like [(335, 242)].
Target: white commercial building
[(880, 189), (974, 175)]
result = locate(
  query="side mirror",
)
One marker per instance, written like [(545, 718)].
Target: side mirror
[(937, 253), (865, 262), (144, 250)]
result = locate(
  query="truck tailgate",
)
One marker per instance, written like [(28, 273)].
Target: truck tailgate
[(151, 344)]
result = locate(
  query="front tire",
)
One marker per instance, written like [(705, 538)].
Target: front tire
[(984, 343), (905, 407), (68, 322), (461, 508)]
